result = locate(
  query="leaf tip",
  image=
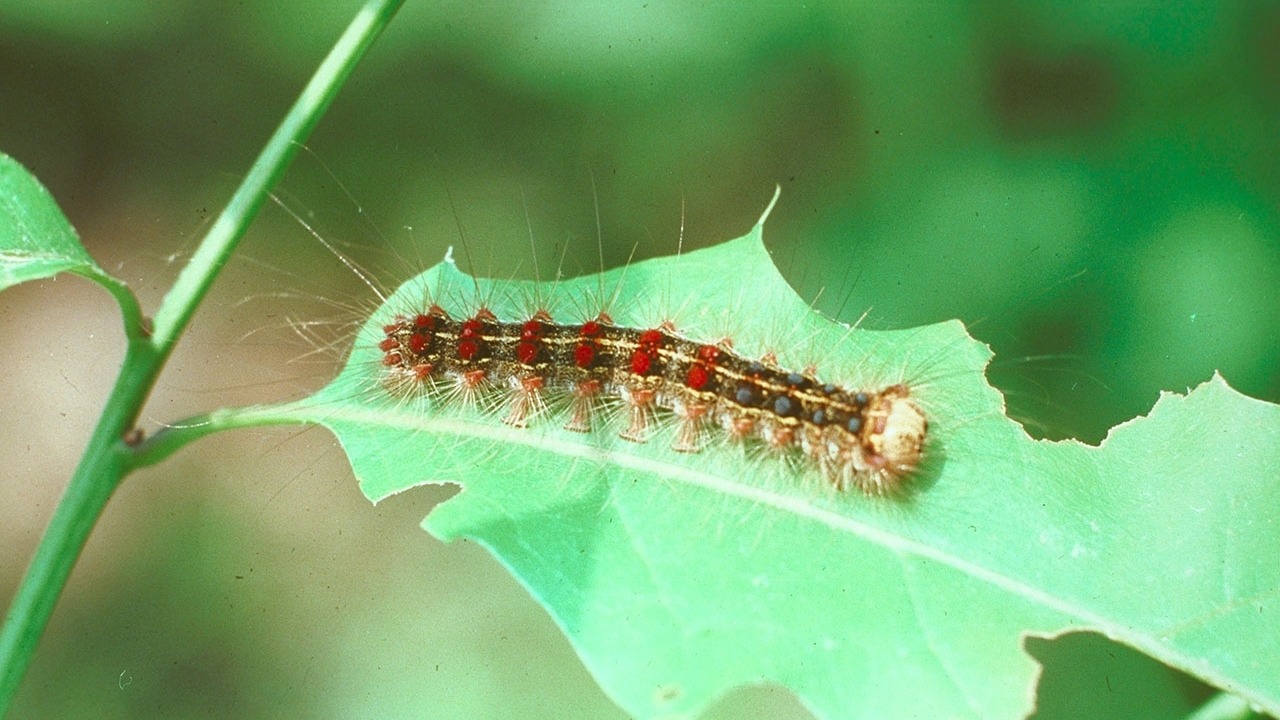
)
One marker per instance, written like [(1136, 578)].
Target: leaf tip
[(777, 192)]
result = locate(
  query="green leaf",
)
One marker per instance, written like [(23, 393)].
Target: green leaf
[(36, 241), (680, 576)]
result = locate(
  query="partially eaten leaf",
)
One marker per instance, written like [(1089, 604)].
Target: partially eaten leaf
[(678, 576)]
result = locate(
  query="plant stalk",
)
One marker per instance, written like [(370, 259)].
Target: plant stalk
[(108, 458), (104, 464)]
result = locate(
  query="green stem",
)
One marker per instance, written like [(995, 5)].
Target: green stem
[(178, 435), (103, 465), (185, 295), (135, 324), (108, 458)]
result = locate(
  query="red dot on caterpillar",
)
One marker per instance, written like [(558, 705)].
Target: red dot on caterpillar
[(532, 330), (529, 349), (527, 353), (697, 377), (468, 349), (645, 358), (418, 342), (584, 353)]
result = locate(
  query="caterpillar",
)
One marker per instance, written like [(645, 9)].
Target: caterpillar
[(871, 440)]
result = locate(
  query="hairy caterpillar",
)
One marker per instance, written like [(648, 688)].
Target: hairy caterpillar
[(866, 439)]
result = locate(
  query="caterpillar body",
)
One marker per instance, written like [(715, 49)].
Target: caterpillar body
[(866, 439)]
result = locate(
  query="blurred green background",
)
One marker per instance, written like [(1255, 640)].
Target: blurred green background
[(1092, 186)]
